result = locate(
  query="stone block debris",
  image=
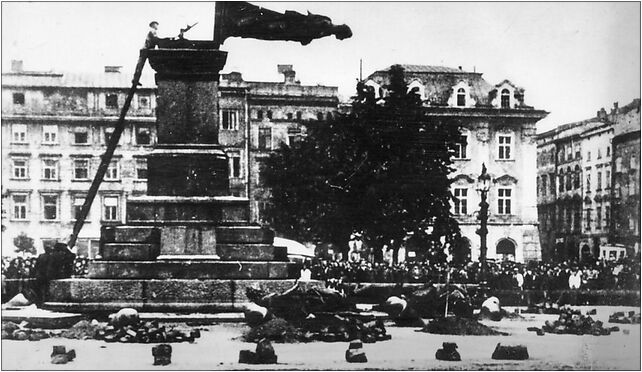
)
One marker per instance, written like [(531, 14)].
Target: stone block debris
[(264, 354), (517, 352), (124, 317), (625, 318), (491, 309), (22, 332), (355, 353), (162, 354), (18, 300), (60, 355), (572, 321), (459, 326), (448, 352)]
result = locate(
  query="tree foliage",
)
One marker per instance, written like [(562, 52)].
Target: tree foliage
[(381, 169), (24, 244)]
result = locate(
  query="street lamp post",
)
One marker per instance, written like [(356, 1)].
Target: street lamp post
[(483, 186)]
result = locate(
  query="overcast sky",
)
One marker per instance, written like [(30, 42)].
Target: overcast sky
[(572, 58)]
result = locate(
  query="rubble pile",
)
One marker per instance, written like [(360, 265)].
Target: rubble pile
[(573, 322), (264, 354), (325, 328), (146, 332), (355, 353), (60, 355), (547, 307), (620, 317), (459, 326), (22, 332)]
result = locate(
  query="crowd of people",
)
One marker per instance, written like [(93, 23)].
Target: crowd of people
[(620, 274), (24, 267)]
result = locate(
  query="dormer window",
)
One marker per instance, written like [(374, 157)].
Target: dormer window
[(461, 97), (505, 98)]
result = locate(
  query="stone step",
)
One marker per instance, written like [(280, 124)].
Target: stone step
[(251, 252), (129, 251), (244, 234), (130, 234), (160, 295), (193, 269)]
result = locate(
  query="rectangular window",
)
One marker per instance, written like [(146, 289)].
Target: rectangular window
[(588, 219), (143, 136), (112, 173), (50, 207), (141, 169), (608, 150), (505, 147), (607, 180), (107, 132), (265, 138), (544, 186), (19, 206), (588, 156), (50, 169), (19, 133), (110, 208), (504, 201), (259, 114), (20, 168), (461, 148), (560, 183), (599, 181), (50, 134), (577, 150), (235, 165), (18, 98), (576, 220), (569, 152), (111, 100), (144, 102), (81, 137), (229, 120), (588, 182), (461, 201), (77, 203), (299, 115), (607, 214), (81, 169), (598, 217), (552, 184), (599, 154)]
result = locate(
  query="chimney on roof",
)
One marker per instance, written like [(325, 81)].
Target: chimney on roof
[(614, 109), (460, 68), (233, 77), (601, 114), (16, 65), (113, 69), (289, 74)]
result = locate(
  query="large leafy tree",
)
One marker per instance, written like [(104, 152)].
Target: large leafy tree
[(24, 244), (382, 169)]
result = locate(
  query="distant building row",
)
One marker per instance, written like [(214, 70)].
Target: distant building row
[(55, 127), (588, 184)]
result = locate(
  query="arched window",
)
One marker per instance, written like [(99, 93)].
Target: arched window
[(461, 97), (569, 178), (506, 249), (505, 101)]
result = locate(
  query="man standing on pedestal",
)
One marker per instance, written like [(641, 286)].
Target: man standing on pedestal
[(150, 43)]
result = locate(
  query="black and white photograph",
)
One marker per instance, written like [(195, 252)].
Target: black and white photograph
[(311, 185)]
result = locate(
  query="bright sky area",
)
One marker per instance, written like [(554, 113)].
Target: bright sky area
[(571, 58)]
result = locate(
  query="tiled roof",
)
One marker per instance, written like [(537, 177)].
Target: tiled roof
[(121, 80), (427, 69)]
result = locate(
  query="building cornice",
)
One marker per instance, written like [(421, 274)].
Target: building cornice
[(483, 112), (77, 119)]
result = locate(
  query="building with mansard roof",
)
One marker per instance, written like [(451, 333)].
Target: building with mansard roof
[(498, 129), (55, 126)]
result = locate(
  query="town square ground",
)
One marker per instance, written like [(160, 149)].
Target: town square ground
[(219, 346)]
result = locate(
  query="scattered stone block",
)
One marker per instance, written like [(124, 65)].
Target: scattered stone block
[(448, 352), (517, 352), (355, 353), (124, 317), (18, 300), (162, 354), (265, 352)]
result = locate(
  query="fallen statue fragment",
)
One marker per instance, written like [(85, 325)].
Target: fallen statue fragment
[(459, 326), (317, 314), (448, 352), (517, 352), (264, 354)]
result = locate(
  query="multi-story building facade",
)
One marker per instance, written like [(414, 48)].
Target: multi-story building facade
[(625, 192), (498, 129), (578, 187), (55, 127)]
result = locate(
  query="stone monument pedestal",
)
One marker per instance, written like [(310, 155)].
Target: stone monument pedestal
[(187, 244)]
